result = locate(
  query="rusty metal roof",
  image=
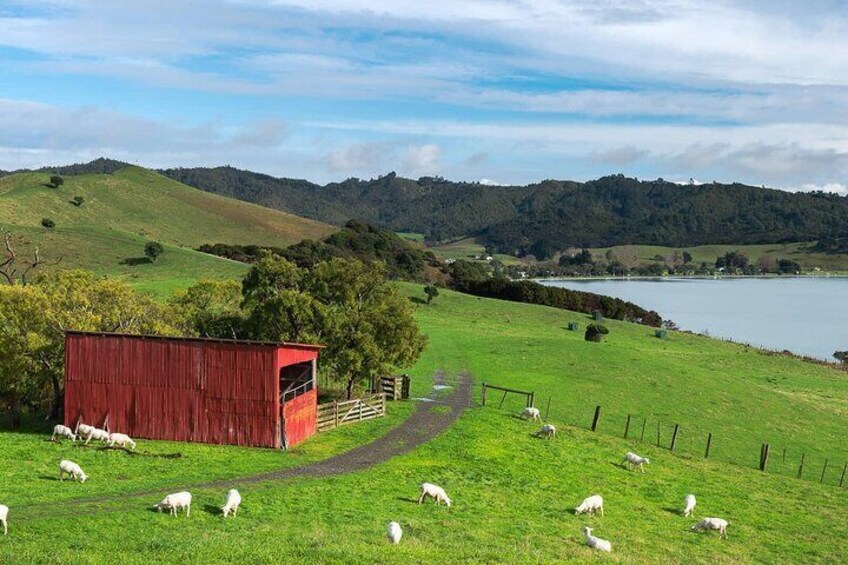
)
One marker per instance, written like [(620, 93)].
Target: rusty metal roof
[(276, 344)]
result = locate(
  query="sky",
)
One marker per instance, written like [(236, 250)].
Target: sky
[(510, 92)]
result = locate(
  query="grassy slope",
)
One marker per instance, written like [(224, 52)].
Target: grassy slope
[(125, 210), (512, 493)]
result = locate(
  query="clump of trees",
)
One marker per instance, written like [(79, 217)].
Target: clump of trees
[(841, 356), (152, 250)]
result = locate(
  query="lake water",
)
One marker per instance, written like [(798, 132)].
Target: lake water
[(808, 315)]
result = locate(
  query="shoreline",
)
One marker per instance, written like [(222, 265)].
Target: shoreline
[(839, 275)]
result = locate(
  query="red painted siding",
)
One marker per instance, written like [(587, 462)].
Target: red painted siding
[(207, 391), (301, 417)]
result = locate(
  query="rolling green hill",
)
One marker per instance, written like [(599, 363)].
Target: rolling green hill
[(512, 494), (124, 210)]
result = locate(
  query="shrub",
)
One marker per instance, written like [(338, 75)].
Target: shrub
[(573, 326), (598, 316), (596, 332), (48, 223), (153, 250), (78, 201), (661, 333), (56, 181)]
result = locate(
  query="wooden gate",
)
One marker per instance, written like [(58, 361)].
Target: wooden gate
[(334, 414), (396, 387)]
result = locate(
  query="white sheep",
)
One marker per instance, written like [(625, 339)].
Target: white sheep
[(232, 503), (394, 532), (634, 460), (712, 524), (591, 505), (97, 434), (121, 439), (530, 413), (689, 505), (596, 543), (174, 502), (547, 431), (72, 470), (4, 517), (63, 431), (437, 493), (83, 430)]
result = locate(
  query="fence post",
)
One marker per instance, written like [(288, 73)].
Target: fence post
[(709, 443), (764, 454), (502, 400), (801, 468), (644, 425), (842, 478), (532, 399), (548, 411), (483, 394), (824, 469), (627, 426), (674, 436), (596, 418), (336, 413)]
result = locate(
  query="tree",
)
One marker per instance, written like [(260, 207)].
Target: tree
[(431, 292), (595, 332), (56, 181), (841, 356), (210, 308), (14, 269), (48, 223), (687, 257), (78, 201), (153, 250), (365, 323)]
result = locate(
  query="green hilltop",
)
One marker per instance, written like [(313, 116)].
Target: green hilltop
[(122, 211)]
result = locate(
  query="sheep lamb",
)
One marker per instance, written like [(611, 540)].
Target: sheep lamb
[(122, 440), (232, 504), (689, 505), (547, 431), (4, 518), (437, 493), (394, 532), (591, 505), (530, 413), (63, 431), (708, 524), (596, 543), (175, 502), (633, 460), (72, 470)]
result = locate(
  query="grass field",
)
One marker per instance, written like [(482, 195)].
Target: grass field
[(512, 493), (123, 211), (469, 248)]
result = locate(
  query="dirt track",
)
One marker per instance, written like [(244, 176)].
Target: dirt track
[(423, 425)]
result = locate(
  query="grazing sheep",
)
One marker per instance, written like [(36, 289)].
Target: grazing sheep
[(689, 505), (72, 470), (632, 459), (232, 504), (174, 502), (121, 439), (530, 413), (63, 431), (97, 434), (437, 493), (712, 524), (547, 431), (596, 543), (394, 532), (4, 516), (84, 430), (591, 505)]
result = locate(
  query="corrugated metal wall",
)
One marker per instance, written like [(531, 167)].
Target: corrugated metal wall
[(300, 416), (185, 390)]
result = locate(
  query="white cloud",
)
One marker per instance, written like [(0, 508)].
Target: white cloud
[(832, 187), (422, 159)]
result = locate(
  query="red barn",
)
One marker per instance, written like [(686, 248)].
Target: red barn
[(192, 389)]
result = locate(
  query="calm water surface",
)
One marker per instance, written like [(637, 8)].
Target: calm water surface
[(804, 315)]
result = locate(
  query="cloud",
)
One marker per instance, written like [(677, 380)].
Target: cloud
[(831, 187), (619, 156), (422, 159)]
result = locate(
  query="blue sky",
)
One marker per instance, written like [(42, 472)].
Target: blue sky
[(510, 91)]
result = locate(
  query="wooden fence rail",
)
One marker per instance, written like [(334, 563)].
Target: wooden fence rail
[(334, 414)]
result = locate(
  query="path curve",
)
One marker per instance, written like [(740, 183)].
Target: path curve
[(422, 426)]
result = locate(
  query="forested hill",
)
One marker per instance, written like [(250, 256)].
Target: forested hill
[(551, 215)]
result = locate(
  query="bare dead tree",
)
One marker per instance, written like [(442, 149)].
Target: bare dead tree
[(16, 270)]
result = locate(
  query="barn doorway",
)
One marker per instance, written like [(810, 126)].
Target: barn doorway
[(296, 380)]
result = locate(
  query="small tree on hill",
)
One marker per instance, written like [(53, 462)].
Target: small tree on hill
[(595, 332), (78, 201), (153, 250), (48, 223), (842, 356), (431, 292), (56, 181)]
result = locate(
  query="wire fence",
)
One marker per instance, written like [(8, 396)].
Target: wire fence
[(687, 440)]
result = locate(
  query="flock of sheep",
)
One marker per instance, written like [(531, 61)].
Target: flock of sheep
[(173, 503), (595, 503)]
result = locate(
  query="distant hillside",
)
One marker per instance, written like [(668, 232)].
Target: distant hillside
[(122, 211), (548, 216)]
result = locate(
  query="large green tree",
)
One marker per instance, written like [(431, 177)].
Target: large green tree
[(210, 308)]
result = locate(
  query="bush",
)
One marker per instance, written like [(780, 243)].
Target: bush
[(573, 326), (598, 316), (153, 250), (661, 333), (48, 223), (595, 332), (78, 201), (56, 181)]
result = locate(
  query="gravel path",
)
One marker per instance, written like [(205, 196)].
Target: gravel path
[(423, 425)]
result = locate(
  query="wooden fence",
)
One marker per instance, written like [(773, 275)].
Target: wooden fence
[(334, 414), (396, 387)]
